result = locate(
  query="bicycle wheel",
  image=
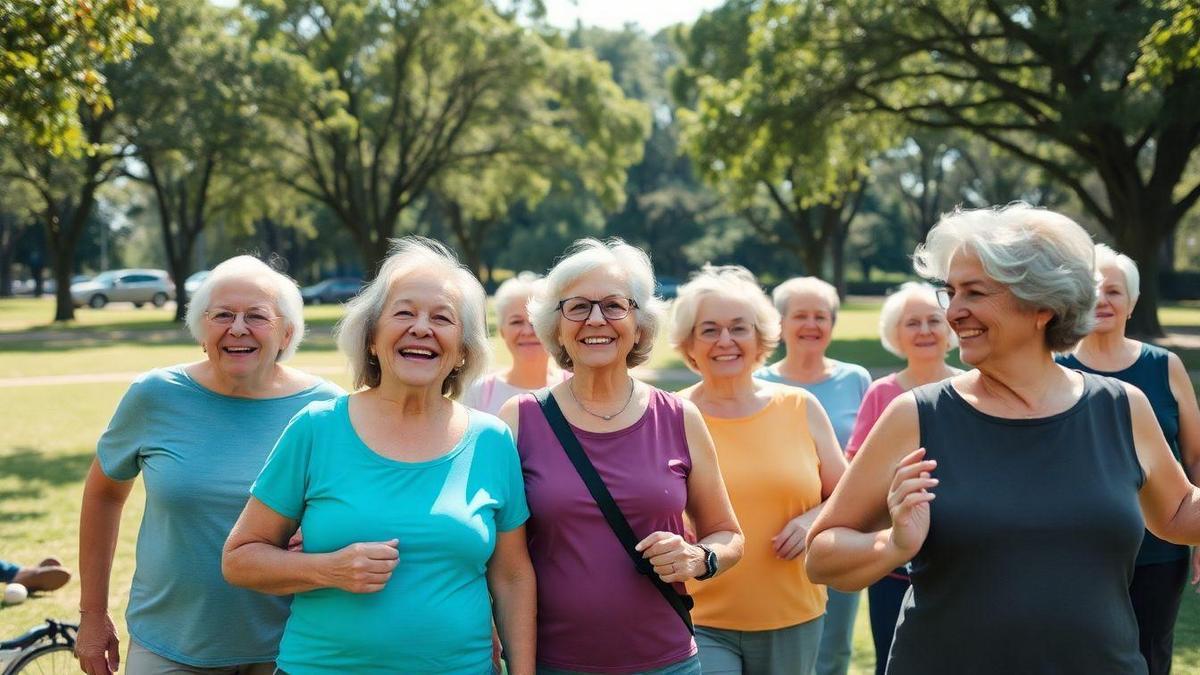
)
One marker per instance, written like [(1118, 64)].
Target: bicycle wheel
[(53, 659)]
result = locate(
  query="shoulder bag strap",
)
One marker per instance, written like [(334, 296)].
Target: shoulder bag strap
[(682, 604)]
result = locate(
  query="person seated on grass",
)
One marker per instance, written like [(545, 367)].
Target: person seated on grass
[(48, 575)]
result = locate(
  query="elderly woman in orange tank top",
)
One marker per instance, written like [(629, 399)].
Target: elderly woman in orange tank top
[(780, 459)]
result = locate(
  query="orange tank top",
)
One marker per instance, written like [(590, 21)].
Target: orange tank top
[(771, 470)]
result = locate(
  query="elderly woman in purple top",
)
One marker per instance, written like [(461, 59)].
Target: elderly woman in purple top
[(597, 317)]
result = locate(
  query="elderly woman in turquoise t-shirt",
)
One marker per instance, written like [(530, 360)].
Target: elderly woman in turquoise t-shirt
[(198, 433), (412, 505)]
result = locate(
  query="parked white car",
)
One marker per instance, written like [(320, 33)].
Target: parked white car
[(135, 285)]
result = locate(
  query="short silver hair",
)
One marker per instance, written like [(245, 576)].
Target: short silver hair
[(1045, 259), (1106, 256), (587, 255), (288, 301), (520, 287), (893, 312), (726, 281), (356, 330), (789, 289)]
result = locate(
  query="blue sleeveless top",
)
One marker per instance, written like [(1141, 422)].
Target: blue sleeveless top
[(1149, 374)]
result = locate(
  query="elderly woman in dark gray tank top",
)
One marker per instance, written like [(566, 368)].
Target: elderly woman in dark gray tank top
[(1043, 476), (1162, 567)]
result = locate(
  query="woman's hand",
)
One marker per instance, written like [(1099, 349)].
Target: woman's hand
[(364, 567), (790, 542), (908, 502), (674, 559), (96, 644)]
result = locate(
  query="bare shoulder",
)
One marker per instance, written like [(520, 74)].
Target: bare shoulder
[(509, 413)]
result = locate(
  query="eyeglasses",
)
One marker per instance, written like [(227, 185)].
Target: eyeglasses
[(613, 308), (252, 318), (712, 333), (943, 297)]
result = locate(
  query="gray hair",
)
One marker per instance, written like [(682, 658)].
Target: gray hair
[(789, 289), (1106, 256), (585, 256), (356, 330), (728, 281), (520, 287), (1044, 258), (288, 301), (893, 312)]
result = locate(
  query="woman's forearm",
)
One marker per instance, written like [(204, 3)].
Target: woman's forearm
[(99, 524), (515, 598), (727, 545), (266, 568), (849, 560)]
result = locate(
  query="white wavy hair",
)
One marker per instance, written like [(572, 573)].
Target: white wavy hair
[(893, 313), (520, 287), (356, 330), (587, 255), (789, 289), (726, 281), (287, 299), (1106, 256), (1046, 259)]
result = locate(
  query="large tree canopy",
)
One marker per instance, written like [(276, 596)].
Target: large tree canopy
[(1078, 88), (378, 101), (51, 53)]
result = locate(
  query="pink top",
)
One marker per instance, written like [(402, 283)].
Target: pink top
[(881, 392)]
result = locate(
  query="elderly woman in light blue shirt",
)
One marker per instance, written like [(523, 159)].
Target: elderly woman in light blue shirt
[(198, 434), (809, 308)]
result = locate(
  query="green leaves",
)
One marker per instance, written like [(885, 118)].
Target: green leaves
[(51, 60)]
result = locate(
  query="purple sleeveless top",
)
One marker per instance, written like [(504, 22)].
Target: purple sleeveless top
[(595, 612)]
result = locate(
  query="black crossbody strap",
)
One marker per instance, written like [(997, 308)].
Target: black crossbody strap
[(682, 604)]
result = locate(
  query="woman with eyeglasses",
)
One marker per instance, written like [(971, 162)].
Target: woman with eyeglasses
[(198, 433), (598, 317), (780, 460), (531, 367)]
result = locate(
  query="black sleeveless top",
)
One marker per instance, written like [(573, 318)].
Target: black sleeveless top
[(1151, 374), (1031, 544)]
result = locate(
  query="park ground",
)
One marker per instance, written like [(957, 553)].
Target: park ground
[(60, 384)]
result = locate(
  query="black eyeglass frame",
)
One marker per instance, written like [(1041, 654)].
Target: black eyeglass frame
[(596, 303)]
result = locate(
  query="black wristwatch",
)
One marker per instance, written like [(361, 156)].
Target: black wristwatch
[(710, 564)]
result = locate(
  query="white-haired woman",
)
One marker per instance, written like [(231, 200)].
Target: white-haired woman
[(780, 461), (531, 368), (913, 326), (809, 307), (1162, 567), (1043, 474), (598, 317), (412, 506), (199, 433)]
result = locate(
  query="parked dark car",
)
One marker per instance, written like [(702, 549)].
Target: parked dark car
[(329, 291)]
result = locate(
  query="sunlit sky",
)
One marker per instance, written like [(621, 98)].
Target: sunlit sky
[(651, 15)]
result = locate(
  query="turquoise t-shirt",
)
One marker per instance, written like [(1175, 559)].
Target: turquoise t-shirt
[(197, 451), (840, 394), (434, 615)]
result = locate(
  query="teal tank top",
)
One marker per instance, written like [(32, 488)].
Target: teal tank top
[(1149, 374)]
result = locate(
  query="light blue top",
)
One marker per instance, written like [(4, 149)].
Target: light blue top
[(198, 451), (434, 615), (840, 394)]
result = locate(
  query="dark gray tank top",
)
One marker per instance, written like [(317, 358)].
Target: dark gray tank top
[(1031, 544)]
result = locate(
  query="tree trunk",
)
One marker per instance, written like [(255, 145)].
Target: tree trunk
[(1145, 251), (64, 307)]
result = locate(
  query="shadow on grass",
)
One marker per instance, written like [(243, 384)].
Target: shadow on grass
[(33, 467)]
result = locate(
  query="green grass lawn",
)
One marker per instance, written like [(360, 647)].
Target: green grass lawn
[(49, 432)]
